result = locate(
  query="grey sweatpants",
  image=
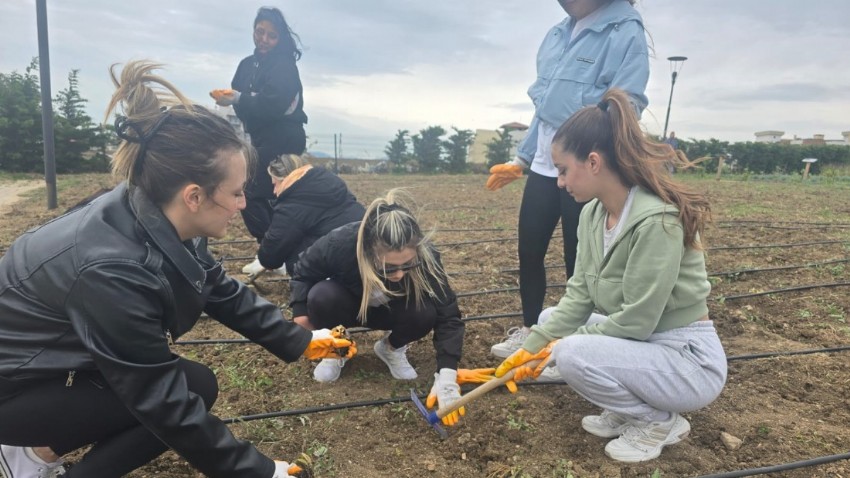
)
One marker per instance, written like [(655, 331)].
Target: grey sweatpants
[(679, 370)]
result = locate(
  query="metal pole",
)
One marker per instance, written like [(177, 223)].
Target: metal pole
[(46, 103), (669, 102), (336, 165)]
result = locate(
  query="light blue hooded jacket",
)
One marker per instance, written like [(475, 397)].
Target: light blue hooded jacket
[(612, 52)]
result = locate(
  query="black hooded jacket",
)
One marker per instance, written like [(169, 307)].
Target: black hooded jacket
[(271, 96), (311, 207), (104, 289)]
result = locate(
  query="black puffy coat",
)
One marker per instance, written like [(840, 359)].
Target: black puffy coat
[(334, 256), (311, 207), (104, 289)]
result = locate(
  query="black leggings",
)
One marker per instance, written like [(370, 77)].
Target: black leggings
[(543, 203), (330, 304), (48, 413)]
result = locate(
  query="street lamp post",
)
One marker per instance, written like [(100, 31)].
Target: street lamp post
[(675, 65)]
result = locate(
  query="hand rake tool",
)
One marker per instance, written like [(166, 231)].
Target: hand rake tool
[(433, 418)]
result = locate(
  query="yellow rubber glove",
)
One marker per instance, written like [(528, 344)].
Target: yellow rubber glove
[(444, 392), (502, 174), (330, 344), (481, 375), (517, 360)]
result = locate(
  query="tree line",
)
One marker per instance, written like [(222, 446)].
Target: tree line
[(80, 144)]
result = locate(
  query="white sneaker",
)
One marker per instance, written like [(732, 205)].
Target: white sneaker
[(328, 369), (281, 271), (607, 425), (22, 462), (516, 336), (253, 268), (550, 374), (396, 360), (644, 441)]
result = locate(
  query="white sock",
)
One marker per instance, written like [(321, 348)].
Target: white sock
[(30, 453)]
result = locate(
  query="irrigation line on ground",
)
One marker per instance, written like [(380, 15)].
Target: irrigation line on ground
[(482, 229), (777, 268), (725, 273), (782, 467), (496, 291), (780, 291), (769, 246), (756, 221)]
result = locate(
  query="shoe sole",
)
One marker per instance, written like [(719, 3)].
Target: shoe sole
[(5, 470), (598, 433)]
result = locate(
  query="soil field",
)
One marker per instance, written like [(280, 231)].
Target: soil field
[(784, 408)]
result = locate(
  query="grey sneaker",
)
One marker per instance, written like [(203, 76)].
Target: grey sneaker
[(644, 441), (516, 336), (396, 360), (328, 369), (607, 425), (22, 462)]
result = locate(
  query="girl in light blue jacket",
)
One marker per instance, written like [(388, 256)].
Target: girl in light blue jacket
[(600, 45)]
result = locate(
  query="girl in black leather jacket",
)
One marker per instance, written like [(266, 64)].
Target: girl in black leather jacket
[(91, 301)]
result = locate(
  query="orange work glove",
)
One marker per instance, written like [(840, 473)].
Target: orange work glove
[(502, 174), (517, 360), (330, 344), (225, 97), (445, 392), (481, 375)]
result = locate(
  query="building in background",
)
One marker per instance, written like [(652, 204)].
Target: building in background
[(816, 139), (478, 150)]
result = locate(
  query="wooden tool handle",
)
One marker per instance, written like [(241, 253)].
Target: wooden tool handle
[(482, 389)]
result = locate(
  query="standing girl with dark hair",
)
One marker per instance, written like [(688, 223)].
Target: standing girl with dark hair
[(92, 301), (649, 352), (383, 273), (269, 100), (601, 44)]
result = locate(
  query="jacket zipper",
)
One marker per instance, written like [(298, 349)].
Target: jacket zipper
[(168, 337), (70, 380)]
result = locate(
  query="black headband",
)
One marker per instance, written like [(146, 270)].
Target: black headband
[(603, 105)]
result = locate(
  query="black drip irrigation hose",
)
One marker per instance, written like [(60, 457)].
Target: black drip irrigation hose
[(755, 221), (777, 468), (777, 268), (726, 298), (768, 246), (724, 273), (496, 291), (482, 229)]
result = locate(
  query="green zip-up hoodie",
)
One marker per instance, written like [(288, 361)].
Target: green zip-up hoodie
[(648, 282)]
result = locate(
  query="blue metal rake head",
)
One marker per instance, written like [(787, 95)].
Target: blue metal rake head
[(430, 417)]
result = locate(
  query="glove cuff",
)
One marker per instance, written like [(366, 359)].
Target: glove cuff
[(320, 334), (520, 162), (447, 376)]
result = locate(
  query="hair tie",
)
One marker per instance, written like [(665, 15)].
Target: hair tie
[(602, 105), (122, 124)]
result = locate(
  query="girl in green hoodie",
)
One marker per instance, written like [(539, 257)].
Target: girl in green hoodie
[(632, 333)]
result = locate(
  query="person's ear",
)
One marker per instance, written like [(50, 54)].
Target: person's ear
[(594, 162), (193, 196)]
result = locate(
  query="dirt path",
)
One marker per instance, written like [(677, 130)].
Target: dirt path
[(10, 193)]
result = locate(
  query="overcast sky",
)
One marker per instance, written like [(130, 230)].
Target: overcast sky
[(371, 67)]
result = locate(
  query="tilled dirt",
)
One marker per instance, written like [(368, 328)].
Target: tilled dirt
[(783, 408)]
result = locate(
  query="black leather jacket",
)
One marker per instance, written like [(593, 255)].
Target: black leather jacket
[(335, 256), (104, 289)]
